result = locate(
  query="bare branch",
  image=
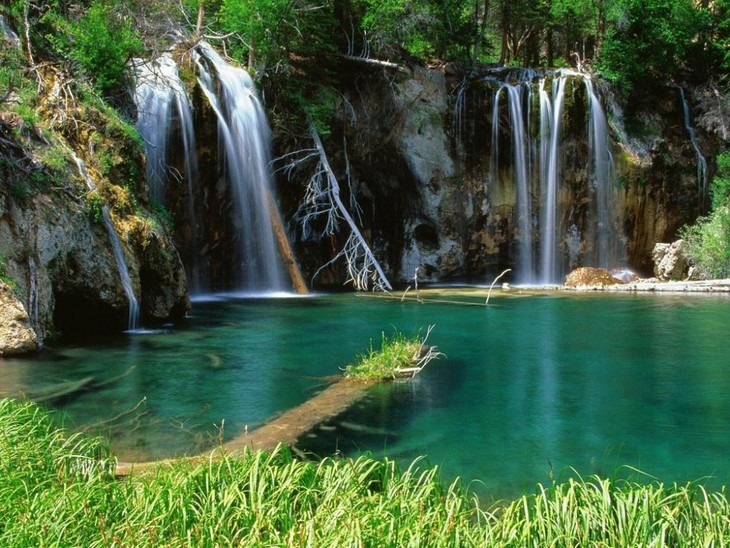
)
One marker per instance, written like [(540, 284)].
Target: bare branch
[(322, 199)]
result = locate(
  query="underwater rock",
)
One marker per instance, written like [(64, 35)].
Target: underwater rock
[(16, 334)]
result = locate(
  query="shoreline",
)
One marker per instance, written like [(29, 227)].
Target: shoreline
[(653, 285)]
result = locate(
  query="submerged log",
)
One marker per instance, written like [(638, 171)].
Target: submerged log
[(282, 430)]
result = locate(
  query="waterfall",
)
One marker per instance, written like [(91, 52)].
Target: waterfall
[(537, 162), (520, 154), (163, 106), (244, 171), (601, 176), (8, 34), (244, 138), (701, 162), (551, 115), (157, 90), (32, 304), (116, 248)]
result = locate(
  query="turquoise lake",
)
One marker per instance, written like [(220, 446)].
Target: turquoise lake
[(530, 387)]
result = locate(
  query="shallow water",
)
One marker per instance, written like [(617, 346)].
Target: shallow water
[(529, 387)]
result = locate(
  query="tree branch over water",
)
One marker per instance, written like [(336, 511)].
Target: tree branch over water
[(322, 198)]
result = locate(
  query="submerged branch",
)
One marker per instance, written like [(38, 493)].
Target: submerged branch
[(486, 303)]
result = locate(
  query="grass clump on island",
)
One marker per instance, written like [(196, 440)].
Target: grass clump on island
[(398, 356), (59, 489)]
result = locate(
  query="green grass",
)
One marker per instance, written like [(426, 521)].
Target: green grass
[(396, 354), (58, 489)]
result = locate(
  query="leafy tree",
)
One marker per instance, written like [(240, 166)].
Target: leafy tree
[(442, 29), (649, 38), (708, 240), (577, 21), (103, 43), (292, 46)]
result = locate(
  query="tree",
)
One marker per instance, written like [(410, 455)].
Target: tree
[(103, 43), (649, 38)]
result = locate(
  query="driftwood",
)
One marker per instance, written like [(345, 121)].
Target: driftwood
[(374, 62), (70, 389), (486, 303), (284, 248)]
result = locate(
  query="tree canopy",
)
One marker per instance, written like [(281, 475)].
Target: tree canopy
[(628, 40)]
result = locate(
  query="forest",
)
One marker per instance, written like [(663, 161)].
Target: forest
[(630, 42)]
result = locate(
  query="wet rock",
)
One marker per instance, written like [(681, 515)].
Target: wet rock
[(670, 261), (587, 276), (16, 334)]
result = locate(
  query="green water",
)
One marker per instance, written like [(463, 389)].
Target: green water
[(529, 386)]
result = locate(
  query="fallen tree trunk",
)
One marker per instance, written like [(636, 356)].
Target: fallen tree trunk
[(285, 249)]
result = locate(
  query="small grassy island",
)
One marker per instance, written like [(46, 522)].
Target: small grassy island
[(399, 357)]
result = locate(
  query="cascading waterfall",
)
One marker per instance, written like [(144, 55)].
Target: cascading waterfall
[(7, 33), (157, 90), (601, 175), (701, 162), (243, 150), (32, 304), (551, 116), (537, 163), (520, 154), (161, 104), (244, 138), (126, 280)]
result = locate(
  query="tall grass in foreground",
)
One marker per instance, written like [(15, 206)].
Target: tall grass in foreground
[(57, 489)]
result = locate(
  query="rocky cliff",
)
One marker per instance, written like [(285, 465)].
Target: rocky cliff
[(422, 171), (54, 247)]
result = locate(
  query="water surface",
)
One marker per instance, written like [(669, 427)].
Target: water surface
[(529, 387)]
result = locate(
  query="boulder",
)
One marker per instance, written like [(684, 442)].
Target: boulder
[(670, 261), (587, 276), (16, 334)]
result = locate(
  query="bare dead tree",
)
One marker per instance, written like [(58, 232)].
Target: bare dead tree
[(322, 199)]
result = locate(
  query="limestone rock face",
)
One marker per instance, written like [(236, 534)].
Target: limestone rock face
[(421, 161), (670, 261), (588, 276), (66, 273), (16, 334), (431, 240)]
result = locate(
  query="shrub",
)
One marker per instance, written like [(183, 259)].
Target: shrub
[(708, 240), (103, 43), (708, 243)]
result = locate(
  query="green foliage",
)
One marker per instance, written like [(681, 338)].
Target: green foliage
[(720, 186), (649, 38), (161, 214), (4, 273), (708, 240), (94, 206), (102, 45), (720, 41), (290, 47), (261, 24), (58, 488), (427, 29)]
